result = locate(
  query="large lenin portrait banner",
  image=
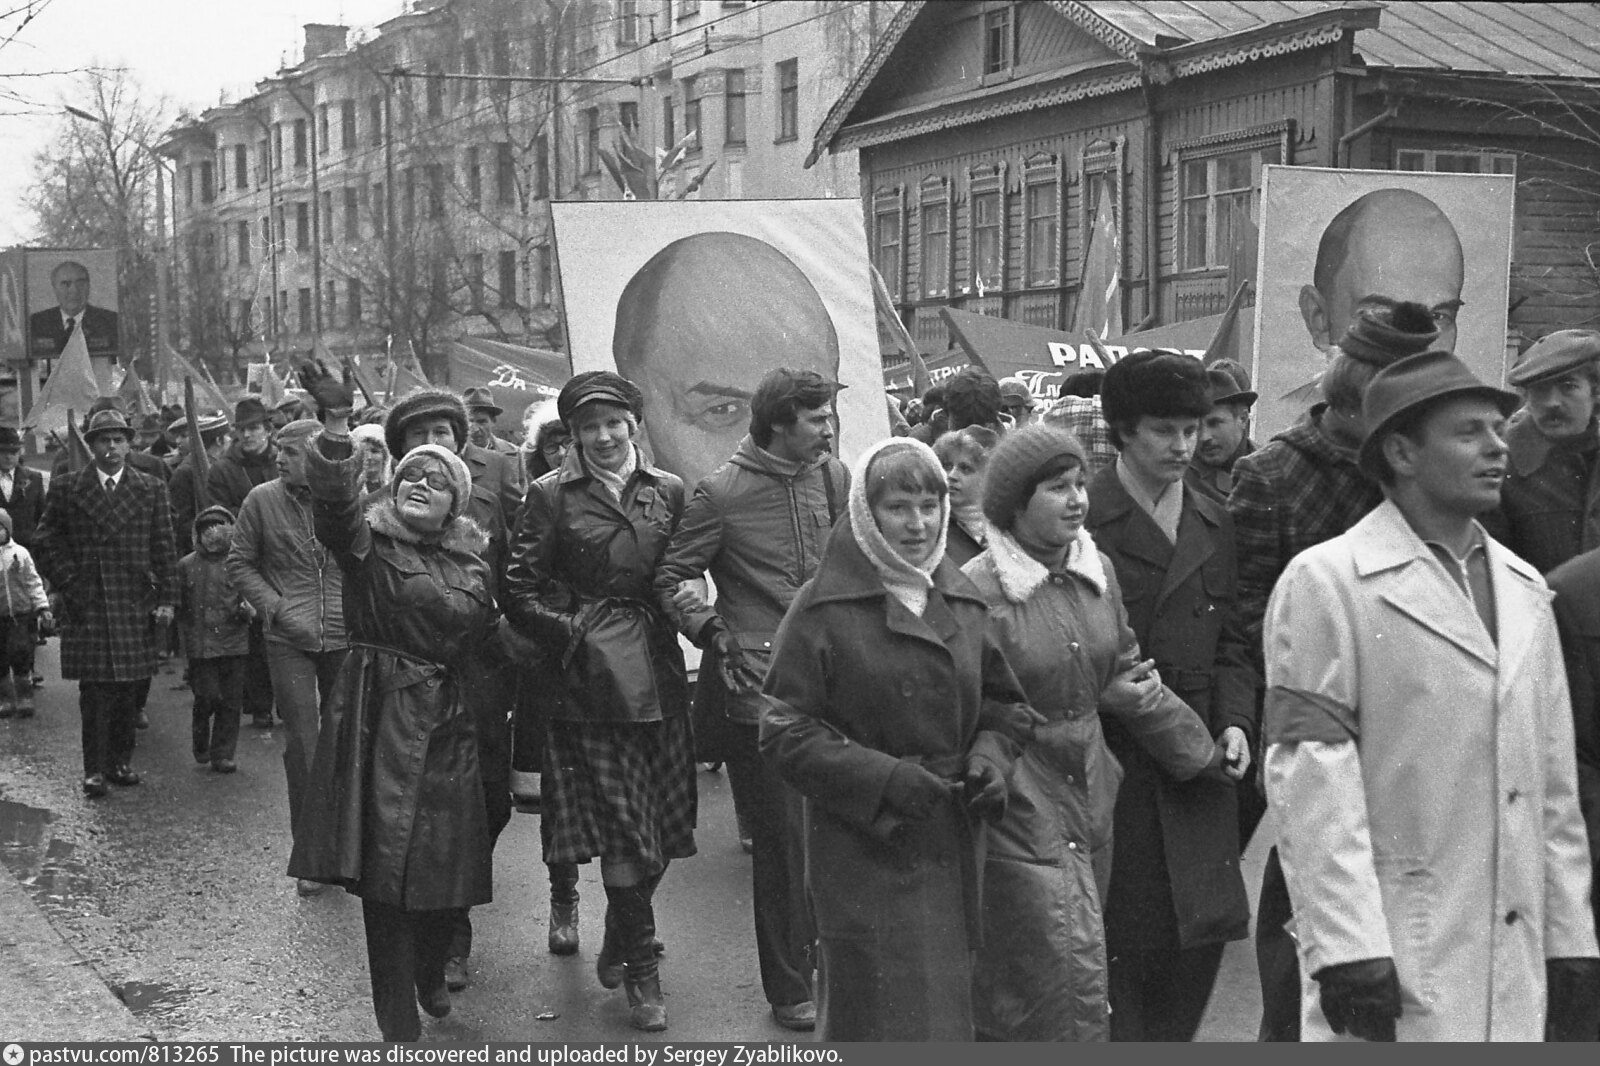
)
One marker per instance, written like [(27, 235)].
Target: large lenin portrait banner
[(694, 300), (1333, 238)]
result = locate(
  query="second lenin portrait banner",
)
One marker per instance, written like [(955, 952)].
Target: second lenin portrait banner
[(1332, 238), (694, 300)]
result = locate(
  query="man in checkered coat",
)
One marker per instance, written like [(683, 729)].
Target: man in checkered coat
[(105, 543)]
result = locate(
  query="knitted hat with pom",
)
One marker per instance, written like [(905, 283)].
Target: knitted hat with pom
[(1384, 332)]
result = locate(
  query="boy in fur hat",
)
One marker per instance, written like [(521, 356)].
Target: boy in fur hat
[(216, 628)]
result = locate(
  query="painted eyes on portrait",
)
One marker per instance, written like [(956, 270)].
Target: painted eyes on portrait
[(717, 413)]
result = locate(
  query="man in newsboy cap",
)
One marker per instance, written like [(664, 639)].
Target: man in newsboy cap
[(1550, 506)]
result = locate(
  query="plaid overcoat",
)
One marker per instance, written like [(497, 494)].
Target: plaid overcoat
[(113, 559)]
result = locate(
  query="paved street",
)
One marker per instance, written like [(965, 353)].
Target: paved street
[(174, 893)]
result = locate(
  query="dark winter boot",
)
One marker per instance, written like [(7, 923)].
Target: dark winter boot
[(8, 696), (608, 964), (564, 909), (24, 687), (636, 921)]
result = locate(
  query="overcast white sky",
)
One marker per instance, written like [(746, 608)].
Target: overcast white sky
[(186, 50)]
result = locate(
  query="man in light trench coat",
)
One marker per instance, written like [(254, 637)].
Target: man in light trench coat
[(1420, 748)]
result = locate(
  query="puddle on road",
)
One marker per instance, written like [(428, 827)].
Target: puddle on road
[(146, 998), (43, 864)]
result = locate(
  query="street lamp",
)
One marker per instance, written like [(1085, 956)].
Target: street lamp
[(163, 323)]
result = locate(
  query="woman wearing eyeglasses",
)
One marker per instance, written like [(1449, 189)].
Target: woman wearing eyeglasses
[(618, 782), (395, 810)]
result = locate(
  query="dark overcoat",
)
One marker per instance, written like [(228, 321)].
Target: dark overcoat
[(25, 503), (395, 811), (580, 583), (1175, 879), (113, 559), (857, 683)]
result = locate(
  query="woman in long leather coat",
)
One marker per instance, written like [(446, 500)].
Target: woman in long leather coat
[(395, 811), (618, 781)]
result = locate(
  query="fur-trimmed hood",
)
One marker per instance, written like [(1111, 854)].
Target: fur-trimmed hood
[(1021, 575), (462, 535)]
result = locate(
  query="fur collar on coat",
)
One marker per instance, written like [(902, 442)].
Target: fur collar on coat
[(1020, 574)]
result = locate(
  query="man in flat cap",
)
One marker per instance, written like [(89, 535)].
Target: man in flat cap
[(1419, 752), (1550, 508), (1016, 400), (105, 545), (21, 488), (1299, 489), (1224, 436)]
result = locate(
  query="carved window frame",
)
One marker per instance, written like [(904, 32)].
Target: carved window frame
[(1043, 169), (1279, 135), (985, 180), (934, 197), (891, 202)]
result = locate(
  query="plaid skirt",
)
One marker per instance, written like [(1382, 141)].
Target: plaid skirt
[(622, 791)]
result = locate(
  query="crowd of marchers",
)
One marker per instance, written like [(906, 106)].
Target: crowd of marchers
[(1001, 702)]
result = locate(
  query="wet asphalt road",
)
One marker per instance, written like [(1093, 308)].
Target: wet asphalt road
[(174, 891)]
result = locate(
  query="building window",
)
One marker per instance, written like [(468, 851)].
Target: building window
[(299, 143), (325, 220), (788, 100), (687, 8), (266, 232), (500, 64), (277, 147), (352, 214), (322, 128), (627, 21), (303, 298), (263, 161), (241, 167), (469, 67), (330, 300), (1219, 201), (1041, 235), (887, 213), (247, 310), (691, 112), (379, 209), (474, 177), (733, 127), (541, 167), (208, 192), (669, 129), (435, 190), (508, 279), (244, 244), (591, 141), (474, 271), (188, 186), (1455, 162), (988, 264), (999, 40), (222, 168), (302, 226), (375, 119), (435, 91), (352, 302), (628, 117), (347, 124), (541, 257), (933, 231), (505, 174)]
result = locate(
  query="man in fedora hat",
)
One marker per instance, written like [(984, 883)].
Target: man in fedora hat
[(1550, 509), (21, 488), (1420, 747), (183, 487), (143, 462), (250, 460), (1224, 436), (481, 414), (105, 544)]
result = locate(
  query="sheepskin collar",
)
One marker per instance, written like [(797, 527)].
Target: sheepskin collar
[(1020, 574), (462, 535)]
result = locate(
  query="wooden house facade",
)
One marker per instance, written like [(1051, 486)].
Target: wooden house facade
[(999, 140)]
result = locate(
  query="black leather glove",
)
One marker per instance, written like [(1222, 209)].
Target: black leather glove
[(985, 788), (329, 393), (914, 792), (1572, 1000), (1362, 998), (732, 664)]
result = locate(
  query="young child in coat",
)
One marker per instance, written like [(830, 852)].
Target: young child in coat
[(23, 606), (216, 628)]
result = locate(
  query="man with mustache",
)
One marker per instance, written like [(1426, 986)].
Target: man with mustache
[(1550, 508)]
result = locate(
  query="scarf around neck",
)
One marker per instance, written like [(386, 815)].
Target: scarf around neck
[(904, 581), (613, 483)]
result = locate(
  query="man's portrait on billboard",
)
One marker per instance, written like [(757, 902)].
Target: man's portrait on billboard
[(72, 287)]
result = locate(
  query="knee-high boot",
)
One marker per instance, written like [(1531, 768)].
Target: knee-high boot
[(636, 930), (564, 909)]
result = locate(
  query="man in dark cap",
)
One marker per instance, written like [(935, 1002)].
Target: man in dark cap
[(1176, 897), (1299, 489), (757, 524), (105, 544), (482, 412), (183, 487), (1224, 431), (1419, 748), (21, 488), (1550, 507), (250, 460)]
